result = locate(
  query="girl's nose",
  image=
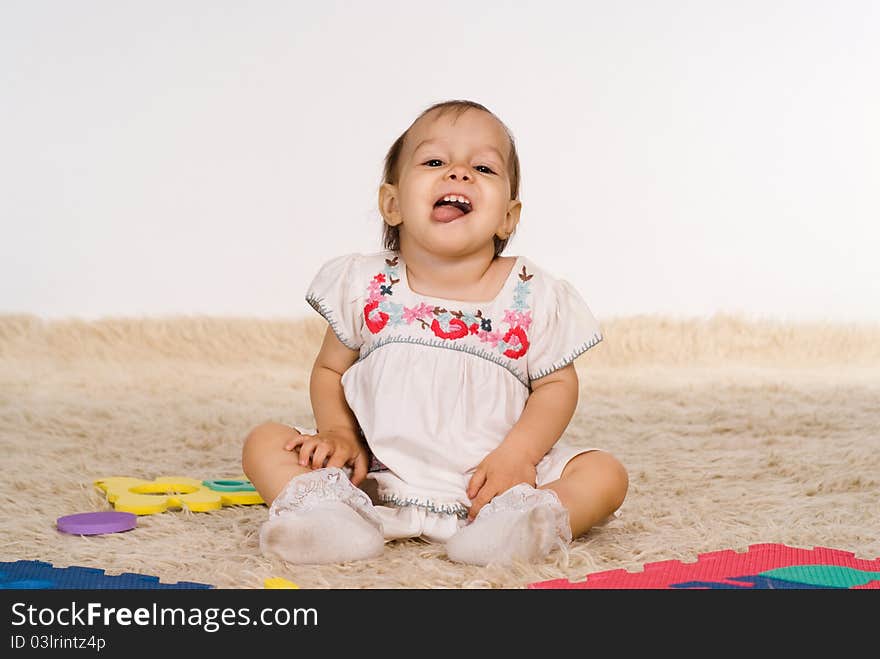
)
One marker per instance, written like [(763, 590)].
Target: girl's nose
[(458, 172)]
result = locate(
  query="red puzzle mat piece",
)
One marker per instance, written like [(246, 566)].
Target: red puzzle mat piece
[(726, 569)]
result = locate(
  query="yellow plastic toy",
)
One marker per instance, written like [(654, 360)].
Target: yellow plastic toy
[(142, 497), (278, 582)]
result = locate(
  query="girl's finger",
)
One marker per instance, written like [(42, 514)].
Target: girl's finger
[(476, 482), (484, 496), (338, 459), (360, 468), (293, 443), (306, 450), (320, 455)]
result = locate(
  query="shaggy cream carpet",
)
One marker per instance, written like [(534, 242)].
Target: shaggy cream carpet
[(735, 431)]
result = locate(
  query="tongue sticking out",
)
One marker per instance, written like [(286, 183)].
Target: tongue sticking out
[(446, 213)]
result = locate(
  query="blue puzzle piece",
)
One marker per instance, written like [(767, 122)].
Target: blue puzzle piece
[(758, 582), (37, 575)]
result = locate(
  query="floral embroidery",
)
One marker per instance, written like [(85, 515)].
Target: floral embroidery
[(457, 329), (520, 334), (451, 325), (376, 322)]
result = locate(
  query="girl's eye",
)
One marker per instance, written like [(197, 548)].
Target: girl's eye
[(439, 162)]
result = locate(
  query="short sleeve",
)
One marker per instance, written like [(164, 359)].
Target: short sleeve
[(562, 329), (336, 293)]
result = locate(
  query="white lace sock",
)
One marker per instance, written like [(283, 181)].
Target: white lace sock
[(320, 517), (521, 524)]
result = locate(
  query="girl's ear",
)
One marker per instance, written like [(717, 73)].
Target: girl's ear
[(511, 219), (388, 204)]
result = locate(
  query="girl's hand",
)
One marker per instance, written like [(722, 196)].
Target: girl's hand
[(332, 448), (498, 472)]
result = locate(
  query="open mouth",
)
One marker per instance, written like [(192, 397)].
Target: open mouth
[(451, 207)]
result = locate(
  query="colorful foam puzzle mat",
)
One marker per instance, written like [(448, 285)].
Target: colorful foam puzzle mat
[(762, 566), (143, 497), (37, 575)]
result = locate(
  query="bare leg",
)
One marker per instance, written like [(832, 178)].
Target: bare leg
[(265, 462), (592, 486)]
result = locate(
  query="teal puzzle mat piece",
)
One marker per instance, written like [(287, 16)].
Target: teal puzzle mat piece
[(829, 576)]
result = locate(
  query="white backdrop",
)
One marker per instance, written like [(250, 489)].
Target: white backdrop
[(163, 158)]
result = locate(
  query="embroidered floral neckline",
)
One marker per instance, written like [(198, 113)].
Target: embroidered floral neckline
[(451, 320)]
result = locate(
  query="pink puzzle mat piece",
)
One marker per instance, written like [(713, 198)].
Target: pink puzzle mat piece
[(766, 565)]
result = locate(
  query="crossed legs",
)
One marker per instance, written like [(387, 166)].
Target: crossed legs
[(323, 518)]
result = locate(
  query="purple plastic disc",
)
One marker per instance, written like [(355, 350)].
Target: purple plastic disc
[(97, 523)]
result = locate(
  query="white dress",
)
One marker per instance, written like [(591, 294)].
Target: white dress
[(439, 383)]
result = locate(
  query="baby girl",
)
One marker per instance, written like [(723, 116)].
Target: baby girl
[(446, 377)]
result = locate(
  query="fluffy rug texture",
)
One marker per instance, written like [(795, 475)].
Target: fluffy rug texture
[(735, 431)]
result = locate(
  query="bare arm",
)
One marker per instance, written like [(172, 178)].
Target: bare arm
[(547, 413), (337, 442), (325, 386)]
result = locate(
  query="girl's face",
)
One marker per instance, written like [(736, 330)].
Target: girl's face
[(466, 156)]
